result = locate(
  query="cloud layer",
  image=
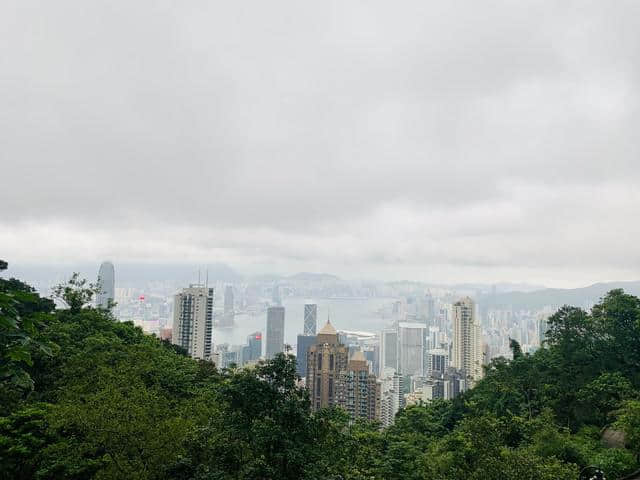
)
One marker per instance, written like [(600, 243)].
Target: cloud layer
[(449, 141)]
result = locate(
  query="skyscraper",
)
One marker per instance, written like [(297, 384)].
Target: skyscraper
[(193, 321), (228, 299), (302, 347), (325, 360), (106, 285), (310, 318), (253, 350), (411, 348), (437, 362), (357, 390), (276, 299), (275, 331), (467, 339), (430, 309), (389, 349), (392, 399), (229, 313)]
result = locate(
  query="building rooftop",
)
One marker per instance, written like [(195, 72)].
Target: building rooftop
[(358, 356), (328, 329), (411, 325)]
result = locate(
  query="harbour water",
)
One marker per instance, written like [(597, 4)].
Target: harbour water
[(361, 314)]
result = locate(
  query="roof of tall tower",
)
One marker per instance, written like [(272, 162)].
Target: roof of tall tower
[(358, 356), (328, 329)]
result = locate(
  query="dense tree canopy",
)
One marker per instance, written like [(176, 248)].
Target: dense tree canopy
[(84, 396)]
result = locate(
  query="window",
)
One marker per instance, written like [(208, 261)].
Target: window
[(331, 362)]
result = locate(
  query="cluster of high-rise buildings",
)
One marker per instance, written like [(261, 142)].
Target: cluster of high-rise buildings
[(431, 348)]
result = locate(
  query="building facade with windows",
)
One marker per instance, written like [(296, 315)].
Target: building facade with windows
[(325, 360), (193, 321)]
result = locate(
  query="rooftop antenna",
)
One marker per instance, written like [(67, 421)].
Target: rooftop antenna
[(199, 278), (207, 278)]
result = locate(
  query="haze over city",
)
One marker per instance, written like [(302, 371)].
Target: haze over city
[(443, 142)]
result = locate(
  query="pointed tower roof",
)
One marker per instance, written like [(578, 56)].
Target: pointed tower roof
[(328, 329)]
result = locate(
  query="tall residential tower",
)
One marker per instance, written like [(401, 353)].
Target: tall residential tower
[(193, 321), (467, 339)]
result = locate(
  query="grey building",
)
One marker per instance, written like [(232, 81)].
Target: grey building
[(389, 349), (275, 331), (253, 349), (228, 299), (411, 348), (303, 344)]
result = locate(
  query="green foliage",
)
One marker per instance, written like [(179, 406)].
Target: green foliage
[(76, 293), (110, 402), (20, 317), (629, 422)]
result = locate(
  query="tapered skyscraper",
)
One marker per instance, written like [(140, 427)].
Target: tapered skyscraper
[(106, 285)]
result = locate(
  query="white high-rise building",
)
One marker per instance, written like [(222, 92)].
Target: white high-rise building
[(392, 399), (467, 339), (193, 321), (106, 285), (389, 349), (411, 348)]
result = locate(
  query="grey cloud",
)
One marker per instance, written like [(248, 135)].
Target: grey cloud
[(280, 130)]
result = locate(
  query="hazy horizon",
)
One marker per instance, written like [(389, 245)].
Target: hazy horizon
[(446, 143), (183, 274)]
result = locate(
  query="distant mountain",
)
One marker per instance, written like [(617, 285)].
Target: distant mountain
[(556, 297), (314, 277), (499, 287)]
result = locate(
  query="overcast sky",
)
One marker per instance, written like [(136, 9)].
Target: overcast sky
[(439, 141)]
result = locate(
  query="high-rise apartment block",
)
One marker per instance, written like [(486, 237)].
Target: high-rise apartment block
[(392, 398), (275, 331), (437, 362), (467, 339), (358, 390), (193, 321)]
